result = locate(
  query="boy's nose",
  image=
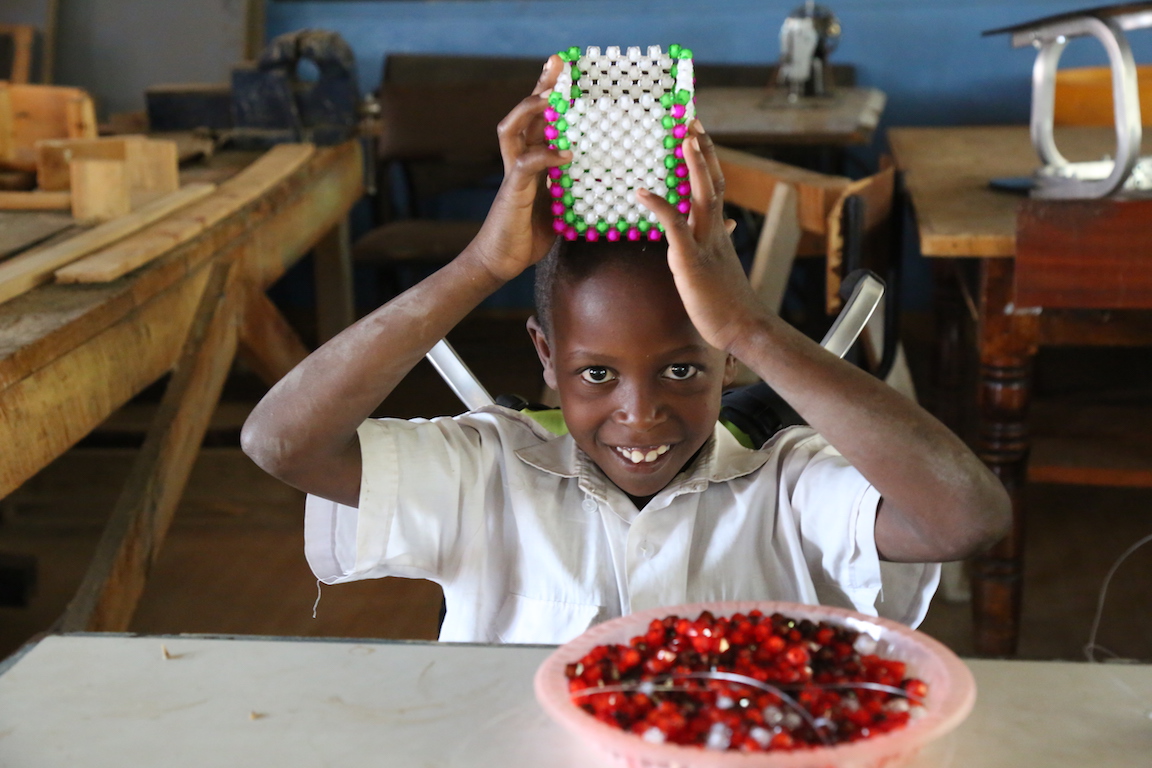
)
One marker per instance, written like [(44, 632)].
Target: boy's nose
[(640, 407)]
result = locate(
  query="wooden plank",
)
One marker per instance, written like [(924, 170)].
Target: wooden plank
[(1084, 254), (251, 184), (35, 201), (54, 156), (1086, 443), (151, 166), (132, 539), (99, 190), (332, 268), (22, 274), (268, 344), (23, 230), (758, 116)]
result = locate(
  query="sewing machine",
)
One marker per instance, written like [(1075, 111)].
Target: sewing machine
[(807, 37)]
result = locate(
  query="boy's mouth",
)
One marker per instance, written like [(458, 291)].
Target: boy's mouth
[(643, 455)]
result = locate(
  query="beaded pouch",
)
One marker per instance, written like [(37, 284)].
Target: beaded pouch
[(625, 117)]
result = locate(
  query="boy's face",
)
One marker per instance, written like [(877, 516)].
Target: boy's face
[(639, 387)]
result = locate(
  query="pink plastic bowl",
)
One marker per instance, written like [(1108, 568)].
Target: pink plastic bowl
[(951, 694)]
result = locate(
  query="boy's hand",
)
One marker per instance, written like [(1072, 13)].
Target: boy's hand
[(518, 230), (711, 281)]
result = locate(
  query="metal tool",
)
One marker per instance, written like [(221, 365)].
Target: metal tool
[(1059, 178)]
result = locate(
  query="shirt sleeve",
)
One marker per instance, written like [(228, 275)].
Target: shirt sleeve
[(412, 516), (836, 507)]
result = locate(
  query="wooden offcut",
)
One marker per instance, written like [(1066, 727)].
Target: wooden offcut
[(99, 190), (35, 201), (152, 167), (32, 113), (30, 269)]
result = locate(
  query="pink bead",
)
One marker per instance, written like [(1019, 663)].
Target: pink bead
[(633, 234), (678, 111), (556, 191), (570, 233), (680, 131), (592, 235), (554, 172), (654, 234), (552, 145), (684, 206), (683, 189), (681, 171), (613, 234), (552, 115), (558, 226), (557, 208), (551, 133), (679, 152)]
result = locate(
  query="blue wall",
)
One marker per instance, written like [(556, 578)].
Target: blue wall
[(927, 55)]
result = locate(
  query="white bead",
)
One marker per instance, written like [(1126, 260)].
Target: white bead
[(650, 181), (611, 217), (593, 52), (653, 52), (590, 218), (615, 91), (612, 52), (632, 216), (634, 53), (616, 133), (647, 100)]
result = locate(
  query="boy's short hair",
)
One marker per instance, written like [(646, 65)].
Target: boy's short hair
[(570, 261)]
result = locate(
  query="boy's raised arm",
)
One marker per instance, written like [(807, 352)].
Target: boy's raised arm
[(304, 430), (939, 500)]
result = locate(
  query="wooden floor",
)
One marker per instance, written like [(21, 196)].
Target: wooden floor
[(233, 562)]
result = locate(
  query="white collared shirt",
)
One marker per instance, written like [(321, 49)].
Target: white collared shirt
[(533, 544)]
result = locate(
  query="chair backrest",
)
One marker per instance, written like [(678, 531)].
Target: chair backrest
[(1084, 95)]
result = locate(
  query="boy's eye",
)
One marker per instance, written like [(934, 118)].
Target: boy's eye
[(681, 371), (597, 374)]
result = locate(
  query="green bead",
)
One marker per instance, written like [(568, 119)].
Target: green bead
[(685, 53), (569, 217), (660, 227), (574, 52), (581, 225), (566, 181), (671, 181), (563, 143), (622, 226), (673, 71), (601, 226), (670, 142), (576, 73), (561, 125), (643, 225), (683, 96), (673, 198), (666, 101), (561, 105), (670, 161), (668, 122), (554, 98), (674, 50), (577, 93), (568, 199), (564, 56)]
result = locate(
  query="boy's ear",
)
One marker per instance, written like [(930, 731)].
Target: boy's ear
[(731, 366), (543, 350)]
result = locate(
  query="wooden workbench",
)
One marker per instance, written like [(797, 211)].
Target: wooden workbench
[(970, 232), (70, 355)]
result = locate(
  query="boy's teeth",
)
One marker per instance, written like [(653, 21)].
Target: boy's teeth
[(635, 455)]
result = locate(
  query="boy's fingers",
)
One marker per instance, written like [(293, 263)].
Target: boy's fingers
[(675, 226), (535, 160), (551, 71), (708, 150), (512, 130), (729, 225), (706, 202)]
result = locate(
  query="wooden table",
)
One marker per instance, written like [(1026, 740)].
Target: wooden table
[(742, 116), (108, 700), (972, 231), (70, 355)]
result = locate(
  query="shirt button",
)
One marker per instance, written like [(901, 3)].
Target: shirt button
[(589, 505)]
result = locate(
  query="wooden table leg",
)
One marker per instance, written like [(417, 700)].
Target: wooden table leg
[(332, 257), (1007, 342)]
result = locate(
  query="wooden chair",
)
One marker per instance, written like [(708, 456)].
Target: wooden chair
[(18, 53), (846, 222), (1084, 95)]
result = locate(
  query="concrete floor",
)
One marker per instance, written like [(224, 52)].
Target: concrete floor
[(233, 561)]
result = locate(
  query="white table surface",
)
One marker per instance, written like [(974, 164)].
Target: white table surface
[(113, 700)]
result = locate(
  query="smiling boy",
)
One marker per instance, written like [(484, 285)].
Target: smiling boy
[(645, 500)]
